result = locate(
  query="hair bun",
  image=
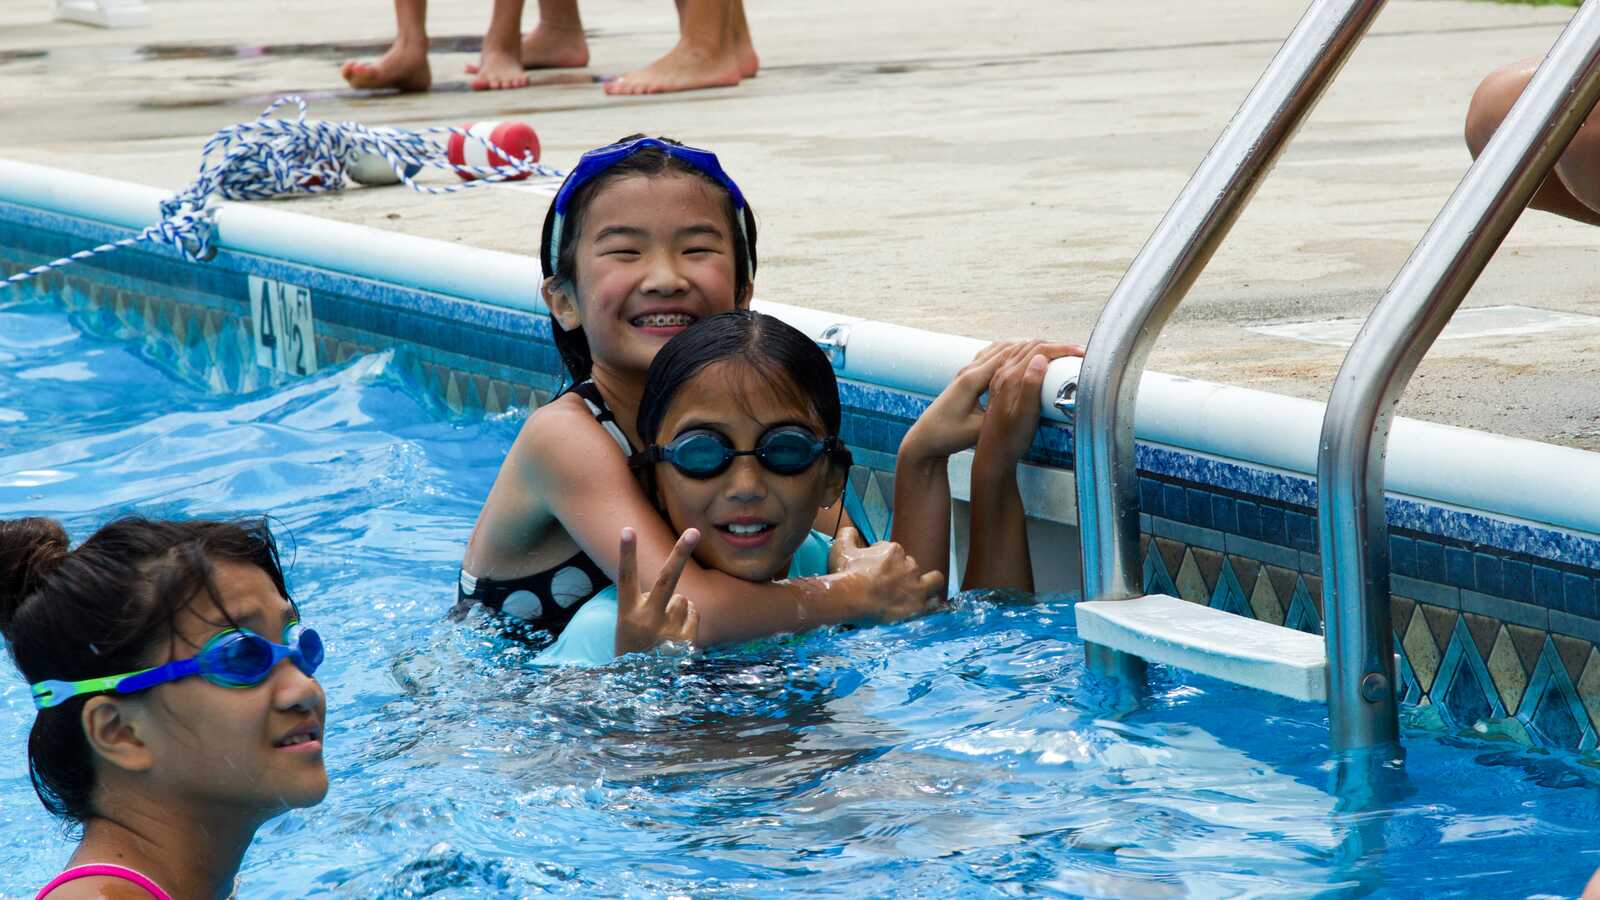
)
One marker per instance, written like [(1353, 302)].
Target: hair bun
[(30, 549)]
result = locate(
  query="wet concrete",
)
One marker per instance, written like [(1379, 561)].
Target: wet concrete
[(976, 168)]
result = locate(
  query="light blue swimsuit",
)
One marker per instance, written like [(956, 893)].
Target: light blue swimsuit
[(590, 639)]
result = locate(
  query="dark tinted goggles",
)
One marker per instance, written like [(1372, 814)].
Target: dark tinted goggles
[(784, 450)]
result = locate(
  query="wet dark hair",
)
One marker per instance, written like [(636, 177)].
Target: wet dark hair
[(773, 350), (98, 611), (574, 345)]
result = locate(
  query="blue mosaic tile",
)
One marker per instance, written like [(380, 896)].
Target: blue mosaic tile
[(1551, 708), (1516, 580), (1229, 595), (1156, 578), (1283, 557), (1578, 595), (1407, 690), (1249, 519), (1430, 561), (1150, 497), (1302, 612), (1199, 507), (1301, 530), (1463, 686), (1547, 587), (1174, 502), (1191, 535), (1529, 615), (1224, 514), (1272, 529), (1402, 555), (1283, 487), (1554, 723), (1458, 569), (1488, 573)]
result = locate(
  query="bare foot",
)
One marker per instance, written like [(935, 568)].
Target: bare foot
[(498, 70), (551, 47), (684, 68), (404, 68), (749, 63)]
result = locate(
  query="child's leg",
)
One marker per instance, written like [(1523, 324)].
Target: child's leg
[(557, 42), (405, 65), (1575, 191), (706, 54), (500, 64)]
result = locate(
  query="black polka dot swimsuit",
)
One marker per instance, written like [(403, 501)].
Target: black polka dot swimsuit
[(549, 599)]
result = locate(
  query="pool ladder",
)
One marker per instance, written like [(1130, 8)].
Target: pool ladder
[(1353, 667)]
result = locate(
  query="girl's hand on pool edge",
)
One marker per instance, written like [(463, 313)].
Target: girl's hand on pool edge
[(894, 587), (645, 621), (954, 420), (1014, 405)]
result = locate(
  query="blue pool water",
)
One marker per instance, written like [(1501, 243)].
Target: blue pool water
[(964, 754)]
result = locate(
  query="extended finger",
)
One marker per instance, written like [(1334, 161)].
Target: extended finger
[(628, 566), (667, 578)]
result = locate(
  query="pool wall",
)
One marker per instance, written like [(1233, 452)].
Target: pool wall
[(1495, 541)]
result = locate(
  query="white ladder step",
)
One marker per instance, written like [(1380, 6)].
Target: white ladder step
[(1211, 642)]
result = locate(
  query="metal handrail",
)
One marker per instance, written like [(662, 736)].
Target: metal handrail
[(1158, 278), (1424, 294)]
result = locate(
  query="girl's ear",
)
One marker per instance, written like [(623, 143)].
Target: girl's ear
[(745, 296), (112, 729), (562, 302)]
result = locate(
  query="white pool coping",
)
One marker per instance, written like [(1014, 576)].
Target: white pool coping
[(1504, 476)]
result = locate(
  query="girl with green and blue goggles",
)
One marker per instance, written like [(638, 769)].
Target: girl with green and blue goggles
[(168, 787), (233, 658)]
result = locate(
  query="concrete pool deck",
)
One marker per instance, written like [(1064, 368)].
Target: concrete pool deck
[(988, 172)]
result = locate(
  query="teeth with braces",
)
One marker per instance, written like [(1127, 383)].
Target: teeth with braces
[(664, 320)]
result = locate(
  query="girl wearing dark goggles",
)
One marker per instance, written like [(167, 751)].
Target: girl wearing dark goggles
[(782, 449)]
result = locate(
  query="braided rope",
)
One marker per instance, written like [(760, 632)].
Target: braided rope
[(274, 157)]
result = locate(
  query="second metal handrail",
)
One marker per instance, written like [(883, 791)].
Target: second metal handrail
[(1421, 299)]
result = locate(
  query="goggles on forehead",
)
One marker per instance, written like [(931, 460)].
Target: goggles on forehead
[(595, 163), (782, 450), (234, 658)]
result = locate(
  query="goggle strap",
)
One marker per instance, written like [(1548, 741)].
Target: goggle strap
[(149, 678)]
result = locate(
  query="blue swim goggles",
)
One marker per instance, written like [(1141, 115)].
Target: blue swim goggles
[(783, 450), (594, 163), (234, 658)]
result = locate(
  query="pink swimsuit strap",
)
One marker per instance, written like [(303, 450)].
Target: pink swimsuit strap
[(100, 870)]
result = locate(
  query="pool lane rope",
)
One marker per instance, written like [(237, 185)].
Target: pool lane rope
[(276, 157)]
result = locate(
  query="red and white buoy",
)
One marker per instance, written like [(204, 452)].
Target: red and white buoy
[(517, 139)]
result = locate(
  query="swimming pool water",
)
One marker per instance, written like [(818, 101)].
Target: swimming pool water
[(963, 754)]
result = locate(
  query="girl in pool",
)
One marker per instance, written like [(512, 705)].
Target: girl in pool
[(644, 238), (166, 727), (740, 427)]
